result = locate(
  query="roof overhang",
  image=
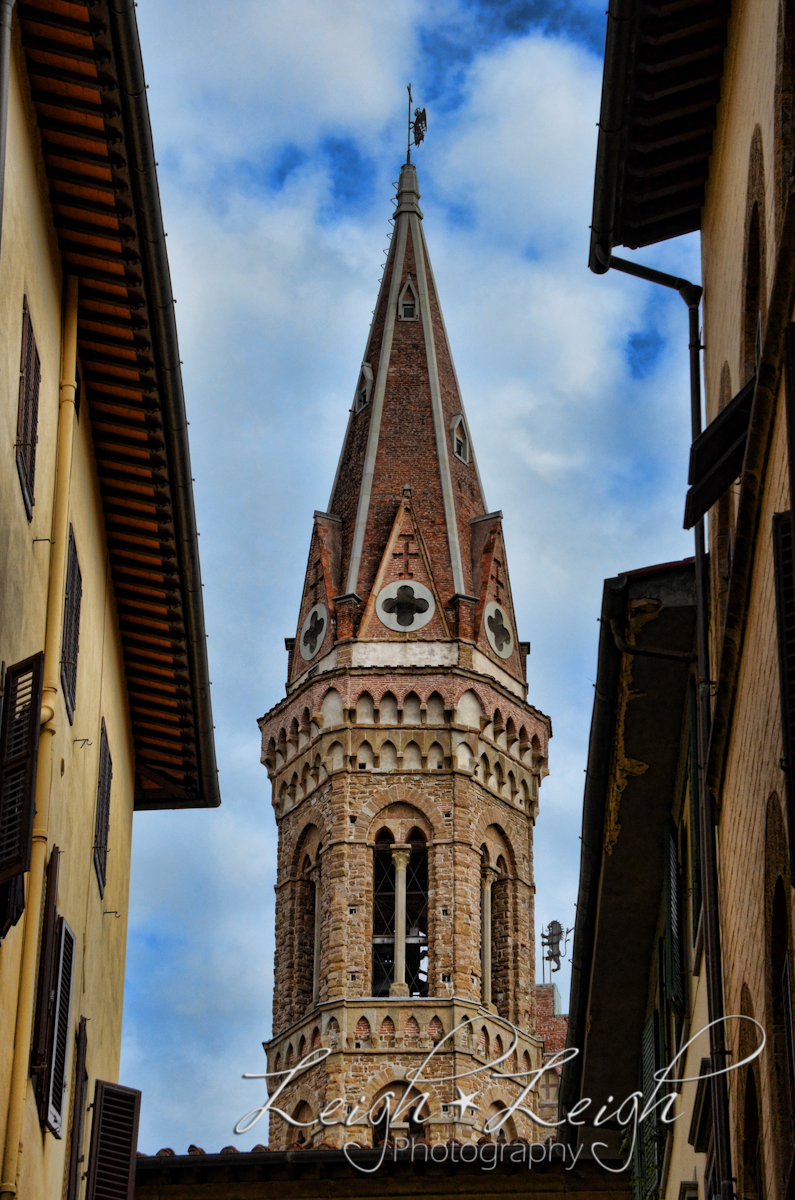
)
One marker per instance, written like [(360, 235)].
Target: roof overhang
[(660, 94), (87, 87), (634, 755)]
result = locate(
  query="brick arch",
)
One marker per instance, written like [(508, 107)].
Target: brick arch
[(495, 817), (400, 793), (306, 843)]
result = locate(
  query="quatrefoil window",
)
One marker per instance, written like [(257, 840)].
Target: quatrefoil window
[(313, 632), (498, 629), (405, 606)]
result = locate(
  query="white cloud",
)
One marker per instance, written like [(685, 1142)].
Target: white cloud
[(275, 292)]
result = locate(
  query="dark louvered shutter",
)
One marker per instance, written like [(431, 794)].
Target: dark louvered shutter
[(673, 925), (114, 1141), (695, 815), (28, 412), (19, 743), (789, 1040), (648, 1131), (61, 1038), (102, 820), (45, 1000), (76, 1155), (785, 613), (70, 643)]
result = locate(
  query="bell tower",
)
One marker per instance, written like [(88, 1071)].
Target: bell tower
[(405, 761)]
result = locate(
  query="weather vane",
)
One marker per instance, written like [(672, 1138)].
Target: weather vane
[(417, 127)]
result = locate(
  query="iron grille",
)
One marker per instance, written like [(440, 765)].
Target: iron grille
[(28, 412), (70, 642)]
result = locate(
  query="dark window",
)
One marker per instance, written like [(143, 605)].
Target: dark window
[(70, 643), (102, 819), (409, 309), (114, 1142), (417, 918), (781, 1039), (383, 918), (19, 741), (28, 412), (76, 1156)]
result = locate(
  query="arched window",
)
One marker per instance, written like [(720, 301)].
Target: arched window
[(408, 308), (383, 915), (306, 900), (500, 942), (458, 432), (752, 1153), (417, 916)]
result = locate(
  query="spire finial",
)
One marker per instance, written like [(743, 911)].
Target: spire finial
[(417, 127)]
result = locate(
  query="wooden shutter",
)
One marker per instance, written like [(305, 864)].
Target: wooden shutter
[(61, 1039), (102, 819), (76, 1155), (673, 924), (12, 903), (695, 815), (45, 1000), (114, 1141), (70, 642), (648, 1131), (785, 613), (19, 743), (789, 1040), (28, 412)]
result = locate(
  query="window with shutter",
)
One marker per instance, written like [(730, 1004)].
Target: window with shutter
[(102, 820), (76, 1155), (19, 742), (45, 998), (28, 412), (648, 1133), (114, 1141), (56, 1076), (785, 613), (70, 642), (673, 930), (695, 817)]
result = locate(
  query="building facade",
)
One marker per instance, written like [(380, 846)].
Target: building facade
[(405, 760), (697, 134), (105, 693)]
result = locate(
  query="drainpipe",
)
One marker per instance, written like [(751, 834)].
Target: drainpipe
[(26, 998), (691, 294), (6, 10)]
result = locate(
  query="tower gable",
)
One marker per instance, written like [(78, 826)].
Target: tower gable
[(404, 601), (316, 630), (495, 622)]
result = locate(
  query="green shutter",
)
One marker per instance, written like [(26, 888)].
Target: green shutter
[(648, 1138), (695, 815)]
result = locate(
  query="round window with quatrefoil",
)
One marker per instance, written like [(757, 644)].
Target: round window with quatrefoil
[(313, 632), (405, 606), (498, 629)]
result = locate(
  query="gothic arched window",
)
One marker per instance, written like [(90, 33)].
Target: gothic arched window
[(458, 432), (383, 914)]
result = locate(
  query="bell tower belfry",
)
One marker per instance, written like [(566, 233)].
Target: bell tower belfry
[(405, 760)]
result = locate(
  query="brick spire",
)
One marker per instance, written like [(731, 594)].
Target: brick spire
[(407, 492)]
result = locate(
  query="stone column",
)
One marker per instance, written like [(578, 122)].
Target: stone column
[(314, 876), (401, 853), (487, 878)]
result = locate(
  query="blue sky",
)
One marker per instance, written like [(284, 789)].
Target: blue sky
[(279, 126)]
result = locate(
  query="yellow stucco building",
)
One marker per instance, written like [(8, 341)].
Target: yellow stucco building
[(105, 691)]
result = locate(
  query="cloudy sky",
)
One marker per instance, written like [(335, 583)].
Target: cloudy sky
[(279, 126)]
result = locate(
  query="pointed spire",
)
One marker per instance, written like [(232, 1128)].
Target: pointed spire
[(407, 478)]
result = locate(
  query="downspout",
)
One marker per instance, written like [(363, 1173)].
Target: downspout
[(26, 998), (691, 294), (6, 11)]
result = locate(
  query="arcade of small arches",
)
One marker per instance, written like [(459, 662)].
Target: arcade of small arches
[(416, 735)]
